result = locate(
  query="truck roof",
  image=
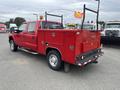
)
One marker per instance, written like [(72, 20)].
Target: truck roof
[(113, 22)]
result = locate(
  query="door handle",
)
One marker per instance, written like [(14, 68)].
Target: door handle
[(46, 43)]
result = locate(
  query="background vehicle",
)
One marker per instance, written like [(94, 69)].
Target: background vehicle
[(2, 28), (111, 31), (86, 26), (71, 26), (12, 27), (90, 26)]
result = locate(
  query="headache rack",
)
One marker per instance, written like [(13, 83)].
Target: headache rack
[(47, 14), (96, 12)]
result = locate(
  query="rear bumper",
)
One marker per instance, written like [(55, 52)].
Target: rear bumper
[(89, 57)]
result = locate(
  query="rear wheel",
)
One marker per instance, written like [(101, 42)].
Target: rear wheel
[(54, 60), (13, 46)]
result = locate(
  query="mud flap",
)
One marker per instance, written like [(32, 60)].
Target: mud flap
[(66, 67)]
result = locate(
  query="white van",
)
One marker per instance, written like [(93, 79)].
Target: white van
[(12, 27)]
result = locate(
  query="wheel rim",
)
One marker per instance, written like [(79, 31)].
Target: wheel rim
[(53, 60), (11, 45)]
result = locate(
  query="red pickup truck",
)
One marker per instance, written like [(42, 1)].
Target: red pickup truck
[(61, 46)]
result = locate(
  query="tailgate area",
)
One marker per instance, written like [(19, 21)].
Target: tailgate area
[(91, 56), (90, 40)]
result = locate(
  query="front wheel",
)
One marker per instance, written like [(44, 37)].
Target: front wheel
[(54, 60), (13, 46)]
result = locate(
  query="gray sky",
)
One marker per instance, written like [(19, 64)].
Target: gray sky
[(109, 9)]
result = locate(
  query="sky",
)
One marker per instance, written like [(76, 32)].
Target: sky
[(109, 9)]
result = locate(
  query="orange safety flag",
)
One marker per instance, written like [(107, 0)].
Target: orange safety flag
[(41, 17), (78, 14)]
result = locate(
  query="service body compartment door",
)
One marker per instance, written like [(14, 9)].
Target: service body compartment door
[(41, 41)]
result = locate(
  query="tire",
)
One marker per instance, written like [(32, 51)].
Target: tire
[(13, 46), (54, 60)]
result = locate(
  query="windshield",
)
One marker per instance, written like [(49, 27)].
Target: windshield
[(51, 25), (113, 25)]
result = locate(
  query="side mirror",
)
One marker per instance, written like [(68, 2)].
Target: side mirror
[(17, 31), (14, 29)]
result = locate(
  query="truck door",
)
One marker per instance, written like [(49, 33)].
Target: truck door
[(30, 38), (19, 36)]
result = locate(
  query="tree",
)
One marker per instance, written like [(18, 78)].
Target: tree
[(19, 21), (11, 20), (7, 24), (102, 24)]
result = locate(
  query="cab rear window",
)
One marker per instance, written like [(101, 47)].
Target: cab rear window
[(51, 25)]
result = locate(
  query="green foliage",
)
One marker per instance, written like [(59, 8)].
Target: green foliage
[(7, 24), (19, 21)]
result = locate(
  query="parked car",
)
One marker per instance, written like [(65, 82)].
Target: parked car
[(2, 28)]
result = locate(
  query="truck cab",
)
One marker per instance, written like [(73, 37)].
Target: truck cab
[(111, 31)]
